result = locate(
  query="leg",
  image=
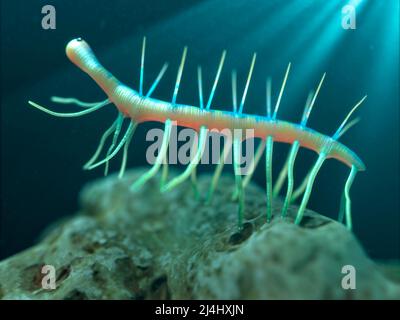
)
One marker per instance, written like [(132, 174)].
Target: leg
[(292, 158), (192, 165), (160, 157), (238, 180), (268, 172), (310, 182)]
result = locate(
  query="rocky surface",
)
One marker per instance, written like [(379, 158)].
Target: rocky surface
[(147, 245)]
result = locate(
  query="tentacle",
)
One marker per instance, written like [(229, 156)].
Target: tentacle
[(164, 175), (129, 132), (238, 180), (164, 172), (281, 178), (342, 208), (193, 163), (310, 182), (103, 138), (253, 165), (253, 61), (195, 186), (268, 171), (193, 180), (218, 170), (347, 187), (71, 100), (292, 158), (160, 157), (125, 156), (120, 121), (72, 114), (300, 189)]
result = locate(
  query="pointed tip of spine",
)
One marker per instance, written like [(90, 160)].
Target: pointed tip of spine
[(278, 102), (338, 132), (220, 66), (253, 61), (179, 75)]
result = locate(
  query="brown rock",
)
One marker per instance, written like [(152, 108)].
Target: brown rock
[(147, 245)]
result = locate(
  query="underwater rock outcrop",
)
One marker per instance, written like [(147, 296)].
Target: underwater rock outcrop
[(147, 245)]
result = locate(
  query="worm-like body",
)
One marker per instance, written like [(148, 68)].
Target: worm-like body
[(139, 107), (142, 109)]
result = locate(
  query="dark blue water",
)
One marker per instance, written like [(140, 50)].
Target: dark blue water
[(42, 156)]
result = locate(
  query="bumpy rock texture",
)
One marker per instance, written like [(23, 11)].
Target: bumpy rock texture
[(147, 245)]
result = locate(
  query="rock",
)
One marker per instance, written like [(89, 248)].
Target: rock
[(147, 245)]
